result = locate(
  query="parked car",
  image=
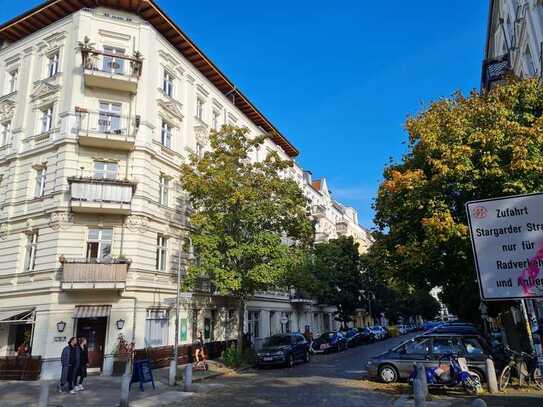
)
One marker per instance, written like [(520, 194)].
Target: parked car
[(402, 329), (332, 341), (367, 336), (379, 332), (429, 349), (353, 337), (283, 349), (459, 328)]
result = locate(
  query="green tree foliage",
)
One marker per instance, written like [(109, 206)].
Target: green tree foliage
[(243, 210), (337, 276), (460, 149)]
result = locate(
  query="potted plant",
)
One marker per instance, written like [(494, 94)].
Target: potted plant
[(123, 353)]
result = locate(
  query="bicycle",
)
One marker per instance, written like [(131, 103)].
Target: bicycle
[(525, 366)]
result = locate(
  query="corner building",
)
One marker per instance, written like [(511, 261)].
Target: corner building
[(101, 102)]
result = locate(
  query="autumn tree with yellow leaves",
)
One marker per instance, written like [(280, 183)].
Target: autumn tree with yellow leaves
[(460, 149)]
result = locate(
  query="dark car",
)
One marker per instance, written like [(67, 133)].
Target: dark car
[(458, 328), (367, 335), (353, 337), (429, 349), (283, 350), (333, 341)]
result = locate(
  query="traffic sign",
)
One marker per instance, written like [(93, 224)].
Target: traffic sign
[(507, 242)]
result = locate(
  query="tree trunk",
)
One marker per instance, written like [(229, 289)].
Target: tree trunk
[(241, 323)]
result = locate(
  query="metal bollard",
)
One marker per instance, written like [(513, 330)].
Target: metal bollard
[(173, 373), (420, 399), (421, 374), (125, 386), (44, 393), (187, 382), (491, 379)]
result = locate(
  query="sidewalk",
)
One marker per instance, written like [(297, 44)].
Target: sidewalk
[(105, 391)]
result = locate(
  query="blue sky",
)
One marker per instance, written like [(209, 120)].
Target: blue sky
[(337, 78)]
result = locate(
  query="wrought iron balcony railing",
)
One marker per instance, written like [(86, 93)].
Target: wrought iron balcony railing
[(495, 70)]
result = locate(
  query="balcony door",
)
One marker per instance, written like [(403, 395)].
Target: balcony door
[(113, 60), (109, 120), (99, 244), (105, 170)]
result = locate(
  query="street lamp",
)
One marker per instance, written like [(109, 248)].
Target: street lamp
[(61, 325), (120, 324)]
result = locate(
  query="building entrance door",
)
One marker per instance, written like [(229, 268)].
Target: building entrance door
[(94, 329)]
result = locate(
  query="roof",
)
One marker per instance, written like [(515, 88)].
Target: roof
[(53, 10), (316, 184)]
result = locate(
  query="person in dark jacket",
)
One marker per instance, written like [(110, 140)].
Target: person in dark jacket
[(83, 363), (69, 360)]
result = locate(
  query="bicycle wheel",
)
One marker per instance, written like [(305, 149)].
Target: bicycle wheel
[(538, 378), (505, 377)]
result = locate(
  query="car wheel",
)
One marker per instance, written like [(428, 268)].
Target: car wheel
[(388, 374), (307, 357), (290, 362)]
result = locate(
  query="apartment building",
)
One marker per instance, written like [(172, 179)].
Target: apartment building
[(514, 41), (100, 105)]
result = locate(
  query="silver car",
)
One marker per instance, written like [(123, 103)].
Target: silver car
[(430, 349)]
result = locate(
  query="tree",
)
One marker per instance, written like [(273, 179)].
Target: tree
[(243, 213), (337, 274), (460, 149)]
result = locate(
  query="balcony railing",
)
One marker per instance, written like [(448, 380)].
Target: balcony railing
[(342, 226), (106, 129), (318, 210), (495, 71), (78, 274), (97, 195), (299, 297), (111, 70)]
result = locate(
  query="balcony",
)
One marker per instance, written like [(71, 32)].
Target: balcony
[(299, 297), (342, 227), (92, 274), (106, 129), (319, 211), (96, 195), (495, 71), (114, 71)]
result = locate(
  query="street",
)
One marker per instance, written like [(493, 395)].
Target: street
[(329, 380)]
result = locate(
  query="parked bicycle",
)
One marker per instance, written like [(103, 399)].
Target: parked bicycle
[(524, 365)]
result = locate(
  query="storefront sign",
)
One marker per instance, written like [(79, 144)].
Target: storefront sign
[(60, 339), (507, 241)]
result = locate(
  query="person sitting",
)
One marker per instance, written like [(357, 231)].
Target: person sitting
[(199, 348)]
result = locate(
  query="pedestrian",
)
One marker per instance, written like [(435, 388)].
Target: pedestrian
[(199, 347), (83, 363), (69, 361)]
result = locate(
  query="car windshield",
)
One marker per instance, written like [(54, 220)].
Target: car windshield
[(277, 341)]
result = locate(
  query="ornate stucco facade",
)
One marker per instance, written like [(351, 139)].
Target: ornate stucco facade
[(100, 106)]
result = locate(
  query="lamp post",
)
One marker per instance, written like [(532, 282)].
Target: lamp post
[(177, 305)]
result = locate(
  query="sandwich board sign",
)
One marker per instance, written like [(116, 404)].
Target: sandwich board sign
[(507, 241)]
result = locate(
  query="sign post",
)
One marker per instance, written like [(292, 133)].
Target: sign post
[(507, 242)]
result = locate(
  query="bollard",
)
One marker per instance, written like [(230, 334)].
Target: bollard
[(44, 393), (125, 386), (478, 403), (491, 380), (173, 373), (421, 374), (187, 385), (420, 399)]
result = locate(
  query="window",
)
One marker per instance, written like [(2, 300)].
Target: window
[(285, 322), (444, 346), (156, 327), (31, 250), (199, 108), (199, 150), (113, 61), (473, 347), (167, 84), (166, 134), (417, 346), (109, 119), (5, 132), (253, 322), (41, 175), (46, 119), (105, 170), (163, 190), (99, 244), (215, 120), (12, 80), (161, 252), (52, 65)]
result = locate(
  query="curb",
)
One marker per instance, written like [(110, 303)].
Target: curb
[(214, 375)]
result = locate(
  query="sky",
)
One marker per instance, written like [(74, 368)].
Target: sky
[(337, 78)]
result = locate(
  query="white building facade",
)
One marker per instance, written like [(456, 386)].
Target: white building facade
[(99, 107)]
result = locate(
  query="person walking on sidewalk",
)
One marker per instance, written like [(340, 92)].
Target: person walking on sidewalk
[(69, 360), (83, 363)]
